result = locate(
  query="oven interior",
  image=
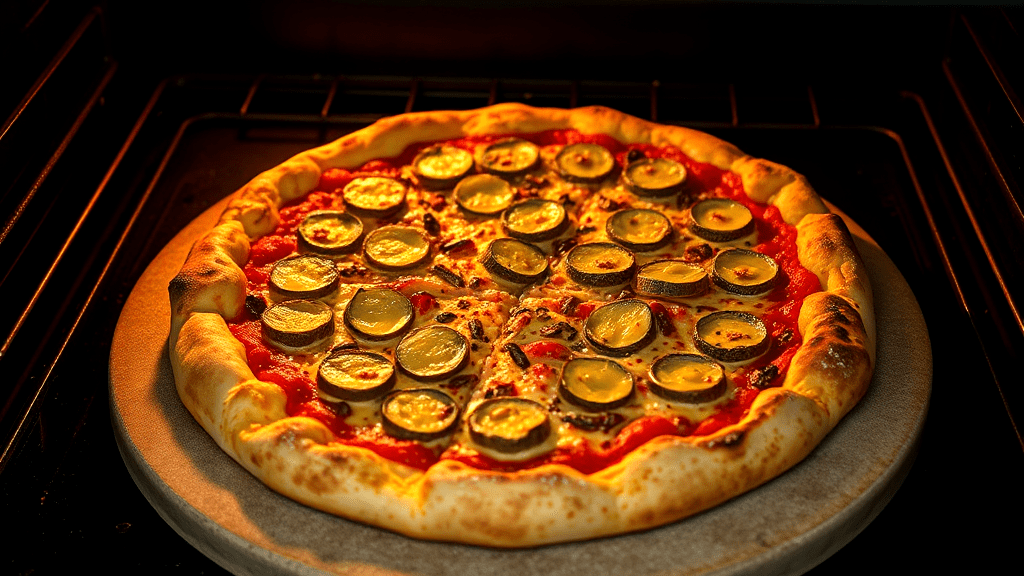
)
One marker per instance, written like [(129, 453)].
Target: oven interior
[(121, 125)]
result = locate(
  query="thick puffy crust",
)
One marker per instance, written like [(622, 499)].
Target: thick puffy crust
[(667, 479)]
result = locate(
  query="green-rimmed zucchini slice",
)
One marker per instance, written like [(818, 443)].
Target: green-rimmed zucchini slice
[(421, 414), (720, 220), (354, 376), (515, 261), (535, 220), (396, 248), (688, 378), (330, 232), (655, 177), (672, 278), (595, 384), (297, 323), (305, 276), (484, 195), (621, 328), (509, 157), (439, 167), (731, 336), (374, 196), (744, 272), (433, 352), (378, 314), (600, 264), (585, 163), (509, 425), (639, 229)]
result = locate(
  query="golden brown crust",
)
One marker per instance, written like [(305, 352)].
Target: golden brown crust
[(664, 480)]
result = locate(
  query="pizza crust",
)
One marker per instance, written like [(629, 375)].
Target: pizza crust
[(666, 479)]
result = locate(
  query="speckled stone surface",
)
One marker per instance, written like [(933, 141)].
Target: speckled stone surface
[(787, 526)]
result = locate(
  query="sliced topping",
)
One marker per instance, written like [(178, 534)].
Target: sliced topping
[(585, 163), (600, 264), (620, 328), (297, 323), (745, 272), (595, 384), (374, 196), (355, 376), (639, 229), (731, 336), (509, 425), (720, 220), (330, 232), (421, 414), (440, 167), (378, 314), (396, 248), (484, 194), (689, 378), (515, 261), (535, 220), (657, 177), (433, 352), (510, 157), (305, 276), (672, 278)]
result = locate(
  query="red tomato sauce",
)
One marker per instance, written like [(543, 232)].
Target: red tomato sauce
[(780, 317)]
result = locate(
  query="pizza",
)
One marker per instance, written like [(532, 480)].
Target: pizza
[(517, 326)]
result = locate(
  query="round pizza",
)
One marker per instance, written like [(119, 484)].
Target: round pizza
[(516, 326)]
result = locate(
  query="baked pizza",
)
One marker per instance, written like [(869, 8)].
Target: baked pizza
[(516, 326)]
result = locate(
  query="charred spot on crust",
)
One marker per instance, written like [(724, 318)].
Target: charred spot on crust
[(178, 287), (730, 440)]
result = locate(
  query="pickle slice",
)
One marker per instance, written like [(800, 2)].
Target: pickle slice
[(421, 414), (535, 220), (585, 163), (600, 264), (378, 314), (509, 157), (731, 336), (672, 278), (688, 378), (509, 425), (515, 261), (396, 248), (655, 177), (305, 276), (374, 196), (330, 232), (620, 328), (433, 352), (355, 376), (484, 194), (720, 220), (440, 167), (595, 384), (295, 324), (745, 272), (639, 229)]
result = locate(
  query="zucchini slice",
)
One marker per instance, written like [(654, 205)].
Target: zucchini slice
[(378, 314), (355, 376), (515, 261), (374, 196), (509, 157), (509, 425), (330, 232), (621, 328), (433, 352), (305, 276), (595, 384), (744, 272), (688, 378), (484, 195), (731, 336), (672, 278), (721, 220), (535, 220), (585, 163), (421, 414), (296, 324), (655, 177), (396, 248), (441, 167), (600, 264), (639, 229)]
